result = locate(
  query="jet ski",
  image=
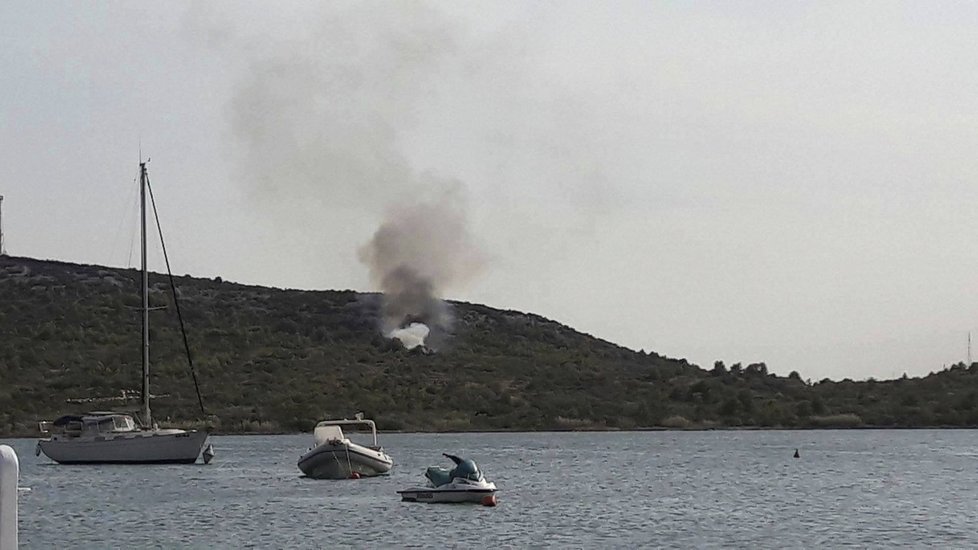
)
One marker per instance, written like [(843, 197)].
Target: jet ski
[(463, 483)]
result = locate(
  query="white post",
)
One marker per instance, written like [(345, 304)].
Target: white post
[(2, 251), (9, 474)]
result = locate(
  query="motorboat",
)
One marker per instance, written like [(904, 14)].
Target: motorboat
[(335, 456), (106, 437), (463, 483), (115, 438)]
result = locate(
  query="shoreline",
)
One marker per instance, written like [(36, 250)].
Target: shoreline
[(603, 430)]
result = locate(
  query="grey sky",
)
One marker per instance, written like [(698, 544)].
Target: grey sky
[(784, 182)]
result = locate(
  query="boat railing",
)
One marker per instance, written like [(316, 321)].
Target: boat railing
[(124, 396)]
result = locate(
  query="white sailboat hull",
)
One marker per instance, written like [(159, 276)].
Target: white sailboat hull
[(142, 447)]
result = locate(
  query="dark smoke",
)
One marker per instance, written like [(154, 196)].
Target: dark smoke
[(420, 251), (410, 298), (320, 123)]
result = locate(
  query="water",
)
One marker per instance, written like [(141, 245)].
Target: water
[(568, 490)]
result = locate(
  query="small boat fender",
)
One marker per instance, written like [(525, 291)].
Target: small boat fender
[(208, 454)]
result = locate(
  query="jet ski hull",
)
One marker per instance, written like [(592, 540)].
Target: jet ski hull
[(427, 494)]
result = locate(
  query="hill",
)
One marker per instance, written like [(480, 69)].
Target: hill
[(278, 360)]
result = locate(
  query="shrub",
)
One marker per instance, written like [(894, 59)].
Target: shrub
[(847, 420), (676, 421)]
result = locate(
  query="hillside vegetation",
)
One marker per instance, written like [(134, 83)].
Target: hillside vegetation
[(279, 360)]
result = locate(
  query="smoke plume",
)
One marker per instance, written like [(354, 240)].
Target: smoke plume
[(421, 250), (319, 119), (320, 123)]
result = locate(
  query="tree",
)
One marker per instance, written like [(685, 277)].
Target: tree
[(818, 406), (729, 407), (718, 369), (746, 399), (757, 369)]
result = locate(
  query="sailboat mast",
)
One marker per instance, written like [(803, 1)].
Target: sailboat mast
[(147, 415)]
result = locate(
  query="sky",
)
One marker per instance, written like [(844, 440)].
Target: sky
[(783, 182)]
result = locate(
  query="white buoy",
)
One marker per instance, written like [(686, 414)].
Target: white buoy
[(9, 474)]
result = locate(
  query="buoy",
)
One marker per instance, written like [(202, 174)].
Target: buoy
[(355, 475), (797, 455), (489, 500)]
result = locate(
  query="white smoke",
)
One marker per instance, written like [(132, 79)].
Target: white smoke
[(412, 335)]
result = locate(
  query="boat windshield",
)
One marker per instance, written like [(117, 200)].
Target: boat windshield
[(123, 423), (467, 469), (322, 434), (113, 423), (105, 425)]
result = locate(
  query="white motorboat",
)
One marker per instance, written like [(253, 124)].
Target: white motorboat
[(112, 437), (463, 483), (337, 457)]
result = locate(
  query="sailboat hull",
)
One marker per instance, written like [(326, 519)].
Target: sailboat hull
[(143, 447)]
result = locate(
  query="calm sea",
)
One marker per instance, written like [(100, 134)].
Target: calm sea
[(738, 489)]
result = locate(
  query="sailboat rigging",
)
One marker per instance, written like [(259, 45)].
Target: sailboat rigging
[(176, 301), (114, 437)]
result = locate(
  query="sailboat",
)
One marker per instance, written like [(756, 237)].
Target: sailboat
[(107, 437)]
